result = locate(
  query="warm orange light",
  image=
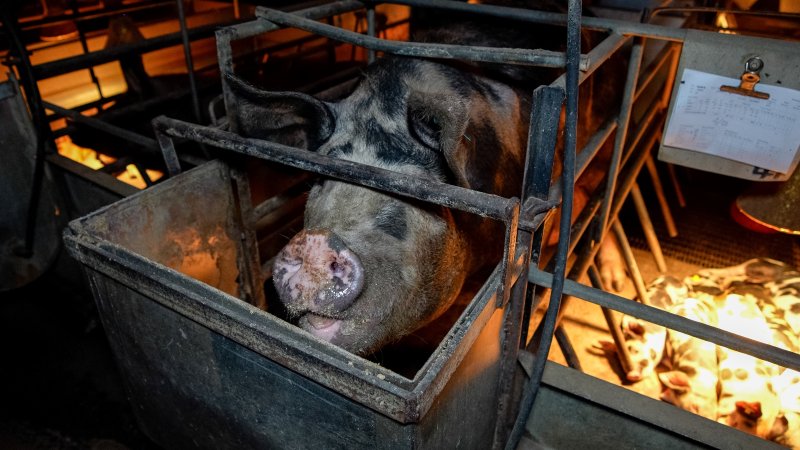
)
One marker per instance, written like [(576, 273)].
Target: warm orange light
[(92, 159)]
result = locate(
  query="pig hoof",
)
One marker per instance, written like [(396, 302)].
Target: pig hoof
[(613, 276)]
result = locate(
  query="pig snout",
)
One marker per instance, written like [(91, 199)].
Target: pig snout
[(316, 273)]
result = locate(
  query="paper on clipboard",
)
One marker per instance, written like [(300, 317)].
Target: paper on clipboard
[(763, 133)]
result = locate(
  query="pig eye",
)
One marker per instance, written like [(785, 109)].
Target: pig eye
[(426, 129)]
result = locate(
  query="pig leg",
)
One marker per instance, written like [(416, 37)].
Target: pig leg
[(611, 264)]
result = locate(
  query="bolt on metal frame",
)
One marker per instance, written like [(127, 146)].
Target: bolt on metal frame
[(523, 248)]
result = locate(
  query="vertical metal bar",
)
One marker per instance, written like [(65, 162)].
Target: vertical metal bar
[(630, 261), (85, 47), (543, 133), (676, 185), (371, 31), (42, 129), (542, 136), (613, 326), (187, 51), (568, 181), (622, 132), (662, 199), (168, 151), (647, 227)]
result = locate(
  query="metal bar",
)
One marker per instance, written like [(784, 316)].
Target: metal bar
[(570, 355), (647, 227), (542, 134), (568, 181), (586, 154), (630, 261), (653, 70), (706, 9), (85, 48), (486, 205), (34, 99), (187, 53), (135, 138), (699, 330), (583, 260), (84, 61), (540, 155), (613, 326), (662, 199), (526, 15), (676, 185), (252, 28), (541, 58), (622, 131), (88, 15), (170, 155), (371, 31), (597, 56)]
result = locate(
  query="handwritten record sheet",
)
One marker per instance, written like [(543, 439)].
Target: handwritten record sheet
[(764, 133)]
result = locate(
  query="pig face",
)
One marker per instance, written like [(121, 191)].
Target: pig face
[(369, 267)]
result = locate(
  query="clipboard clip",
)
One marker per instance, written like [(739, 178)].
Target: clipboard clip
[(749, 79)]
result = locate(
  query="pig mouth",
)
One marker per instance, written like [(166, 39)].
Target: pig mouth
[(323, 327)]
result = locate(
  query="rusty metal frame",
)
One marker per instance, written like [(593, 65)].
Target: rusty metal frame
[(609, 202)]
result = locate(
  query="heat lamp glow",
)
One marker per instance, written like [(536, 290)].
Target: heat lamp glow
[(95, 160)]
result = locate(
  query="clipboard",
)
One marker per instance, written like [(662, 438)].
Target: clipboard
[(740, 134)]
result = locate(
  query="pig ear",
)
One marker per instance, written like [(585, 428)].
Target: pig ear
[(289, 118), (675, 380), (439, 122)]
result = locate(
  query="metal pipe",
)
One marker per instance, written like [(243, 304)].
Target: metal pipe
[(597, 56), (135, 138), (662, 199), (85, 48), (244, 30), (586, 155), (699, 330), (622, 131), (543, 17), (539, 159), (676, 185), (705, 9), (570, 355), (370, 32), (65, 65), (647, 227), (187, 53), (486, 205), (535, 57), (630, 262), (583, 260), (613, 327), (568, 181)]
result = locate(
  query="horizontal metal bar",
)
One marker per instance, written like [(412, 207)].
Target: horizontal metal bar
[(538, 57), (480, 203), (702, 331), (255, 27), (597, 56), (134, 138), (86, 60), (526, 15)]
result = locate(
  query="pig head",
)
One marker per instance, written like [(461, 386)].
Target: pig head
[(370, 267)]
